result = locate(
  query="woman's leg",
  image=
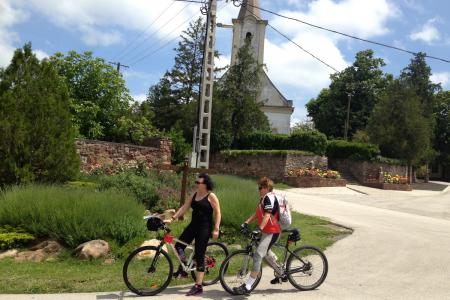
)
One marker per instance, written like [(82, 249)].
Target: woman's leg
[(201, 242), (187, 236)]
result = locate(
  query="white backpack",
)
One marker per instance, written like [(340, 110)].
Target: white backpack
[(285, 212)]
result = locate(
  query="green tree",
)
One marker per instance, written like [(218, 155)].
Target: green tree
[(238, 113), (398, 125), (99, 97), (37, 141), (442, 128), (365, 81)]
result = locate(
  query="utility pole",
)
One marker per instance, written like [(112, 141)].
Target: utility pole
[(119, 65), (349, 94), (206, 88)]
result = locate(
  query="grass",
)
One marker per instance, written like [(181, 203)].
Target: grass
[(238, 198)]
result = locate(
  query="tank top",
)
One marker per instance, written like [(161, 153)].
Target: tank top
[(202, 211)]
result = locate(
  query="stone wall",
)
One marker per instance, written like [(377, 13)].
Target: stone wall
[(95, 154), (364, 170), (274, 166)]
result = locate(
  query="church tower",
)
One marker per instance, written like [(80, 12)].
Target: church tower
[(249, 25)]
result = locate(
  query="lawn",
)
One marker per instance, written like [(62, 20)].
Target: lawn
[(67, 274)]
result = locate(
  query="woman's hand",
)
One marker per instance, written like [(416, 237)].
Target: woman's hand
[(215, 234)]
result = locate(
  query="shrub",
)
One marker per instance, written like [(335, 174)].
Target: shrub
[(11, 237), (235, 153), (352, 150), (311, 141), (314, 172), (72, 216), (179, 147)]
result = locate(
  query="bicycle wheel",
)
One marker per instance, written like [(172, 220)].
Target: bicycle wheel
[(147, 272), (214, 256), (235, 271), (307, 268)]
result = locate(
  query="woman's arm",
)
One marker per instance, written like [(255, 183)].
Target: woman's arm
[(182, 210), (251, 219), (217, 215), (264, 220)]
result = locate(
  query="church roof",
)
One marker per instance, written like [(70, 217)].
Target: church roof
[(249, 8)]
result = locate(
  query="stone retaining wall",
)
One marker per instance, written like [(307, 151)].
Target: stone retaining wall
[(95, 154), (274, 166)]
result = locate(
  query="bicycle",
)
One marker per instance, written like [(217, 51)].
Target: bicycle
[(300, 266), (148, 270)]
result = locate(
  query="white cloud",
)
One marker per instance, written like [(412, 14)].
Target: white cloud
[(428, 33), (297, 74), (9, 16), (98, 21), (40, 54), (139, 97), (441, 77)]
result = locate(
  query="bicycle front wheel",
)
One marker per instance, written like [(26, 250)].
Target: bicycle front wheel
[(236, 269), (147, 271), (307, 268), (214, 256)]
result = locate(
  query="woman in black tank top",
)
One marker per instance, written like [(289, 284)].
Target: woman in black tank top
[(204, 204)]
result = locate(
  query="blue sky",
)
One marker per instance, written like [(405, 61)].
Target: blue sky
[(130, 31)]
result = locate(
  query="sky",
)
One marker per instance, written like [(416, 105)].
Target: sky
[(142, 34)]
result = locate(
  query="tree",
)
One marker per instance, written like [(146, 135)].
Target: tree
[(236, 112), (37, 141), (365, 81), (99, 97), (398, 125), (442, 128)]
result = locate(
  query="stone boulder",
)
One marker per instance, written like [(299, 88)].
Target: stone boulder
[(166, 215), (46, 250), (92, 249), (150, 253), (9, 253)]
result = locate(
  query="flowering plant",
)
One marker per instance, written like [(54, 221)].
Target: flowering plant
[(314, 172), (396, 179)]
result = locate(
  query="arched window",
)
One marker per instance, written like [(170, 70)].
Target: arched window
[(248, 36)]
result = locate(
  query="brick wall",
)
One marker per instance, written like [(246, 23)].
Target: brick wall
[(274, 166), (98, 153)]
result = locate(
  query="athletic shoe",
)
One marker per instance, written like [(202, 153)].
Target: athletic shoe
[(195, 290), (242, 290), (180, 273), (279, 279)]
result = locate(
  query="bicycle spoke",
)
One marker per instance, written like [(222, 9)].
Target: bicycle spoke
[(308, 268)]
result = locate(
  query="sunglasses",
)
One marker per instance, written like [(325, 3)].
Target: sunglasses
[(198, 182), (260, 187)]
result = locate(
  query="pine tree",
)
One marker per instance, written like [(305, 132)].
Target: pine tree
[(37, 141)]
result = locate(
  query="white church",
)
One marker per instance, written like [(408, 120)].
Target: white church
[(250, 25)]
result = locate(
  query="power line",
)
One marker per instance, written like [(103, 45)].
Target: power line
[(347, 35), (119, 65), (155, 32), (144, 31), (296, 44), (169, 41)]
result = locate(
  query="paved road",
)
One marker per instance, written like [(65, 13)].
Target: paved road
[(399, 249)]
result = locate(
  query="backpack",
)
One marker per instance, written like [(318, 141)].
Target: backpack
[(285, 218)]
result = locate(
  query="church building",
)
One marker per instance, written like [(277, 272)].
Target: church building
[(249, 25)]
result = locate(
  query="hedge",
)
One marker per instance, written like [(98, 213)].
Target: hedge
[(235, 153), (352, 150), (311, 141)]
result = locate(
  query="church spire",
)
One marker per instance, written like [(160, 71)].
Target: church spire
[(249, 8)]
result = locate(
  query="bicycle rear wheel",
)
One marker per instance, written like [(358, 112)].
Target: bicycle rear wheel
[(307, 268), (235, 271), (146, 271), (214, 256)]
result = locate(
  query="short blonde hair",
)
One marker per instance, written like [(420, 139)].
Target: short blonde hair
[(266, 183)]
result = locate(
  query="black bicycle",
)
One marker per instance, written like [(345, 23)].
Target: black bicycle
[(306, 267), (148, 270)]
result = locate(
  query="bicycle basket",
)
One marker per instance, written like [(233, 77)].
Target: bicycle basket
[(294, 236), (154, 224)]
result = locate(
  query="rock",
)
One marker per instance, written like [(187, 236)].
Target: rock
[(150, 253), (92, 249), (49, 247), (9, 253), (166, 215), (109, 261), (34, 256)]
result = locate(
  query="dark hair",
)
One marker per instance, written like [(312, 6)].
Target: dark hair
[(207, 180)]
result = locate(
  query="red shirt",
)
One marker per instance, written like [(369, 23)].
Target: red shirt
[(268, 205)]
